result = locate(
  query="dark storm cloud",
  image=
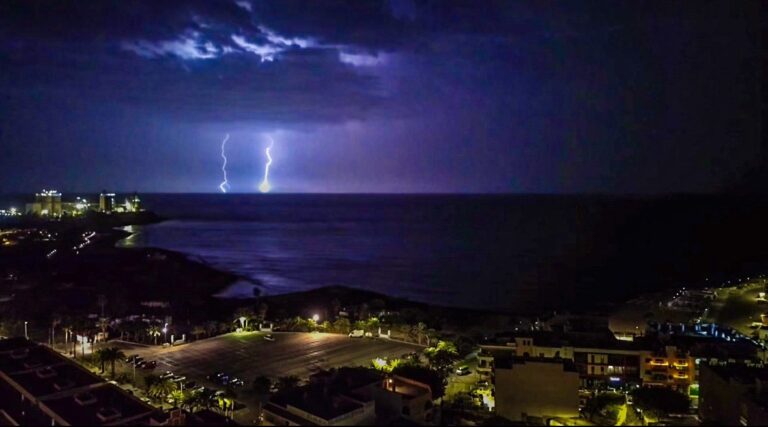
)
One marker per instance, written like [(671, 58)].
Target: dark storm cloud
[(196, 61), (448, 95)]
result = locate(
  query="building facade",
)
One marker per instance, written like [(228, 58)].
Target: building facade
[(106, 202), (542, 388), (733, 395), (47, 203)]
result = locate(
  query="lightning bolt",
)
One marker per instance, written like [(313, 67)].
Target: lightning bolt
[(224, 186), (264, 187)]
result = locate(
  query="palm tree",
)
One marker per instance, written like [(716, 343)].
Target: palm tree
[(262, 312), (261, 387), (211, 328), (102, 357), (103, 325), (161, 389), (192, 401), (111, 355), (197, 331), (154, 331), (244, 315), (287, 383), (69, 334), (150, 380), (227, 402), (420, 329), (177, 397), (55, 321), (83, 328)]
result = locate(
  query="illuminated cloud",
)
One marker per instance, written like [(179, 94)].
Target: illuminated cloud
[(245, 5), (266, 52), (361, 59), (186, 47), (280, 40)]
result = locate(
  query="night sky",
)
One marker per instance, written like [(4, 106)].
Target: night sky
[(394, 96)]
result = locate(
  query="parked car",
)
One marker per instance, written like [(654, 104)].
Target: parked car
[(236, 382), (269, 337), (131, 358), (166, 375), (357, 333), (149, 365), (215, 376), (462, 370)]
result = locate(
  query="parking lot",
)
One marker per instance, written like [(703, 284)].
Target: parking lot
[(248, 355)]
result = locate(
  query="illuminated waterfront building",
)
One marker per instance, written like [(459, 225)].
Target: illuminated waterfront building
[(106, 202), (47, 203), (133, 203)]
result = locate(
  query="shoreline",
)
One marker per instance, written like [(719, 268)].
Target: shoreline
[(190, 290), (121, 234), (244, 298)]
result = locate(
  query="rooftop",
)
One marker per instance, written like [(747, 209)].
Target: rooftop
[(597, 339), (64, 390), (406, 387), (317, 401), (511, 362), (102, 404)]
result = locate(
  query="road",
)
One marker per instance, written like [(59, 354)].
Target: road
[(631, 418)]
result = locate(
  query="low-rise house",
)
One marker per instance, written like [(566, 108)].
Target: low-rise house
[(336, 398), (400, 397), (352, 396)]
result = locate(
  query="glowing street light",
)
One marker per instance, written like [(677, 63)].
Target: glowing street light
[(316, 317), (25, 330), (165, 331)]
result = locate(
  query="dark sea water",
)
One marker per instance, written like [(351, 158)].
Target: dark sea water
[(510, 253)]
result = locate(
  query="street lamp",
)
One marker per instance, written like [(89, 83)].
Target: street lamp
[(316, 317), (165, 331), (25, 330)]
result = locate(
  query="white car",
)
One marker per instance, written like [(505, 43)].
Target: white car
[(357, 333), (462, 370)]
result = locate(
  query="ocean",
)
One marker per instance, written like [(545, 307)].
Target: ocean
[(511, 253)]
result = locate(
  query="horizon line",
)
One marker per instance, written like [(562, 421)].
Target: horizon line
[(413, 193)]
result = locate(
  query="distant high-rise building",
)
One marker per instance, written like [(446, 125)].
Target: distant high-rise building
[(47, 203), (106, 202), (133, 203)]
